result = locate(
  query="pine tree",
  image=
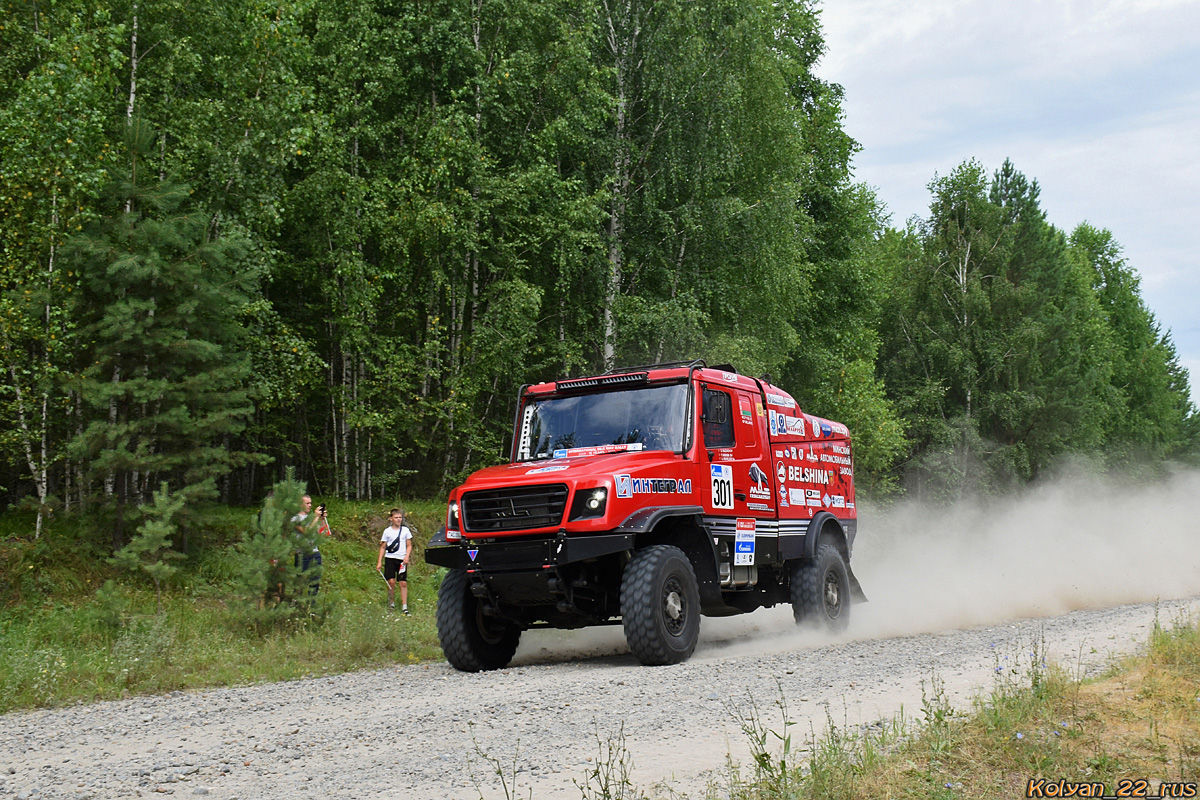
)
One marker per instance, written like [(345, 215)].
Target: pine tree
[(269, 577), (150, 551), (161, 375)]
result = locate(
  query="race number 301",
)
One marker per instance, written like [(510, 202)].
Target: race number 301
[(722, 485)]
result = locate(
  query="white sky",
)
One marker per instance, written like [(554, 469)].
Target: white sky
[(1098, 100)]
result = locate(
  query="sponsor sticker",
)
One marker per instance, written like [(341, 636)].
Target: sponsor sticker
[(795, 426), (781, 400), (743, 543), (628, 486), (761, 487), (598, 450), (747, 414), (472, 553), (781, 472), (758, 507), (796, 496), (540, 470), (812, 497), (836, 500), (729, 376)]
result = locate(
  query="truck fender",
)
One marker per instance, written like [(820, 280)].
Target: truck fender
[(645, 525), (823, 525), (646, 519)]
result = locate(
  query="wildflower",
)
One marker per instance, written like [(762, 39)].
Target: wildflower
[(1020, 735)]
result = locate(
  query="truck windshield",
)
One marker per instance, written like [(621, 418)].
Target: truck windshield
[(635, 419)]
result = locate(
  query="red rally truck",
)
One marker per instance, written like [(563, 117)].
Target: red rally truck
[(648, 496)]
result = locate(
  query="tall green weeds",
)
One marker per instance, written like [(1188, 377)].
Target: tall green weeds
[(74, 627)]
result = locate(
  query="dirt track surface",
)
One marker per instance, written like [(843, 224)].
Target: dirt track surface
[(412, 731)]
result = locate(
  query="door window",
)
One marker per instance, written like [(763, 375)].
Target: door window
[(717, 419)]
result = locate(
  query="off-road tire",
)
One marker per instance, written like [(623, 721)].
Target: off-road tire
[(660, 605), (821, 590), (471, 641)]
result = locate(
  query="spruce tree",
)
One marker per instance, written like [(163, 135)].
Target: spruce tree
[(162, 371)]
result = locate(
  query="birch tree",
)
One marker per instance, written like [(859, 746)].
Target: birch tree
[(57, 60)]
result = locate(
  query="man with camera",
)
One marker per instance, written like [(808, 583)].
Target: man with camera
[(308, 528)]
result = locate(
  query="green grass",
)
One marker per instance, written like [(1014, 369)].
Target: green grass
[(1140, 721), (66, 637)]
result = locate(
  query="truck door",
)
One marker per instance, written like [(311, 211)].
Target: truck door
[(733, 431)]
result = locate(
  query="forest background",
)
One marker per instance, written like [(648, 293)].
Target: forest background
[(242, 237)]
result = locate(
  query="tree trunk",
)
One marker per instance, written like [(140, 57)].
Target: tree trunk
[(622, 39)]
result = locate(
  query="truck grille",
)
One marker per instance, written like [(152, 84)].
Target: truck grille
[(515, 509)]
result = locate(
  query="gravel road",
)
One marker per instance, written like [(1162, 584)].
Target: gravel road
[(412, 731)]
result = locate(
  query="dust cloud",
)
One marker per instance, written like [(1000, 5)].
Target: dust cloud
[(1080, 542)]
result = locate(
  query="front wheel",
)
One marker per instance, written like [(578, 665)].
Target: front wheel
[(660, 605), (471, 641), (821, 590)]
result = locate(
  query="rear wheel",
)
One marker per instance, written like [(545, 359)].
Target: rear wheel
[(821, 590), (471, 641), (660, 605)]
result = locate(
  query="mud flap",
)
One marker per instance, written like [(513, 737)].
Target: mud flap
[(856, 591)]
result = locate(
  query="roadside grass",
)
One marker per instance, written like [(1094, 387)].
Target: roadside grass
[(67, 635), (1037, 726)]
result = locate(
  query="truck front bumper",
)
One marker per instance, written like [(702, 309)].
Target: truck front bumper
[(533, 554)]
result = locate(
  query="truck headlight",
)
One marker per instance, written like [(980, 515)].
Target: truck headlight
[(589, 503), (453, 524)]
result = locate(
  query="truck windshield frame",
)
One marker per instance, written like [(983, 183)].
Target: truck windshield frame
[(645, 418)]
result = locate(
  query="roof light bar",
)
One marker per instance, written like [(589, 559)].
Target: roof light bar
[(604, 380)]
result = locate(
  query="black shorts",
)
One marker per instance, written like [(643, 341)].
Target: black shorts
[(392, 569)]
